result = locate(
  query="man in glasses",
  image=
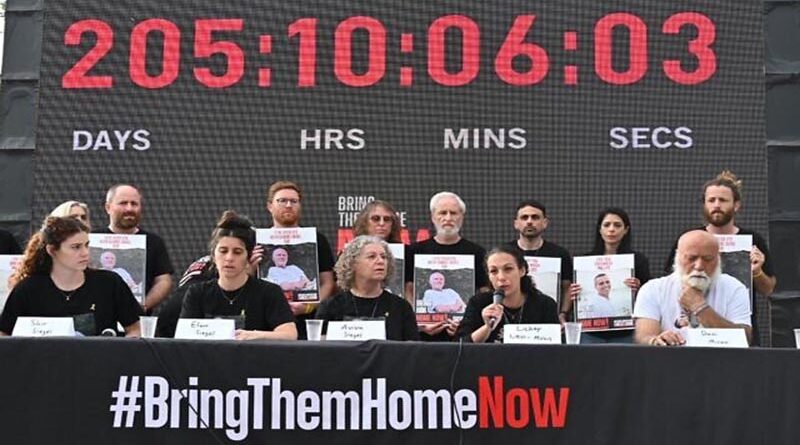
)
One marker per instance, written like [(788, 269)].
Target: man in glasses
[(284, 203)]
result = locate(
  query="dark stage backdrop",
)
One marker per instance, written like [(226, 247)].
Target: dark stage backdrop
[(578, 104)]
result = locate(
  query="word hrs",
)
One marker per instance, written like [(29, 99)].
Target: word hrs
[(453, 138)]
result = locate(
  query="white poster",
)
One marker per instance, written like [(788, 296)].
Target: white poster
[(290, 261), (605, 302), (442, 286), (125, 255)]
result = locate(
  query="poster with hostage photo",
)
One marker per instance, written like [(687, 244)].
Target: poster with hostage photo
[(605, 302), (8, 265), (734, 252), (395, 284), (442, 286), (290, 261), (125, 255), (545, 273)]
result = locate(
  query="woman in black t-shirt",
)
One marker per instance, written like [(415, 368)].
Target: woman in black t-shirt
[(613, 237), (54, 281), (522, 303), (362, 271), (258, 306)]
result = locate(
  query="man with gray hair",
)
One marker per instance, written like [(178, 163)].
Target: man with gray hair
[(447, 214), (696, 294)]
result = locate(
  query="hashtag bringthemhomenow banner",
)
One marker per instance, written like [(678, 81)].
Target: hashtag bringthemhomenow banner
[(165, 391)]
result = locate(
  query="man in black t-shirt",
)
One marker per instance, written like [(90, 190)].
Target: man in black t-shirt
[(722, 199), (124, 208), (530, 222), (447, 214)]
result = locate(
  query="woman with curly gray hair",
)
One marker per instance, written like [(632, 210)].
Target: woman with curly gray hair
[(363, 270)]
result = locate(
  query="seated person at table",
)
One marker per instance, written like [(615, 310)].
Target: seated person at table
[(54, 281), (439, 299), (237, 294), (362, 271), (287, 276), (697, 293), (522, 303)]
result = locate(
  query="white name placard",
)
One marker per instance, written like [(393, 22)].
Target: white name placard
[(44, 327), (532, 334), (356, 330), (716, 338), (205, 329)]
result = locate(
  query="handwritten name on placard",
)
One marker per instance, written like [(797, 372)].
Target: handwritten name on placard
[(356, 330), (44, 327), (532, 334), (205, 329), (716, 338)]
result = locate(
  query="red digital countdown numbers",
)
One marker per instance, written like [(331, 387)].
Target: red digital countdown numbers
[(304, 33)]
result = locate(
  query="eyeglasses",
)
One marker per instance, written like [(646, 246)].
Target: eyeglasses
[(379, 218), (287, 201)]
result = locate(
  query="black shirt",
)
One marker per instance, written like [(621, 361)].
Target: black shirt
[(538, 308), (462, 247), (550, 250), (401, 323), (100, 303), (261, 304), (157, 262)]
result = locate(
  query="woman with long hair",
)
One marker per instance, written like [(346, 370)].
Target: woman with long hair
[(613, 236), (378, 218), (362, 271), (522, 303), (259, 306), (54, 281)]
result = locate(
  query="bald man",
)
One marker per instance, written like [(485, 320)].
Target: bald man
[(696, 294)]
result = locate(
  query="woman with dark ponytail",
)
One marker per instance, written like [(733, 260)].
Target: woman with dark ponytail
[(259, 306), (54, 281), (522, 303)]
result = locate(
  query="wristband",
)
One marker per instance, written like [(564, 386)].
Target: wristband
[(653, 340), (699, 309), (760, 272), (309, 308)]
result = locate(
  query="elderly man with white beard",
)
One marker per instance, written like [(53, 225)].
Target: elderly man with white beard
[(695, 294)]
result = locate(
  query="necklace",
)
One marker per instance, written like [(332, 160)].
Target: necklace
[(514, 318), (67, 295), (232, 299), (355, 308)]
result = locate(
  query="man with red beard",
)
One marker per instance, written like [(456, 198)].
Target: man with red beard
[(124, 208), (722, 199), (284, 203), (696, 292)]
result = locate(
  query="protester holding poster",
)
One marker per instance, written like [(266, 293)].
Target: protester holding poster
[(54, 281), (260, 307), (722, 200), (378, 218), (521, 304), (362, 271), (613, 236)]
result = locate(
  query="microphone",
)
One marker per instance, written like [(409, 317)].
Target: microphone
[(108, 332), (497, 298)]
